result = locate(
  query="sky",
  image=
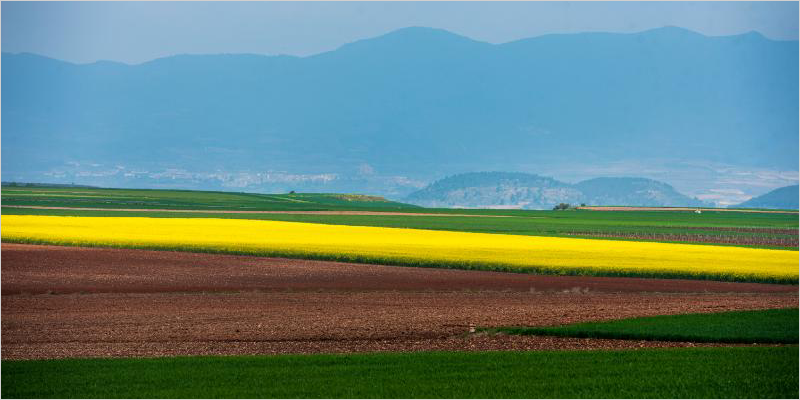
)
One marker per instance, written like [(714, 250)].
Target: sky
[(135, 32)]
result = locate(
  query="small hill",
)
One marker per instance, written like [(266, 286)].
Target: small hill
[(633, 192), (529, 191), (785, 198), (495, 190)]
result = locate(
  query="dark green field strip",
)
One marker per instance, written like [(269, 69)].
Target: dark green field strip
[(544, 223), (740, 372), (760, 326), (187, 199)]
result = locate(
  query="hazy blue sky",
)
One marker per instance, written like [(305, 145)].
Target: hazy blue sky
[(139, 31)]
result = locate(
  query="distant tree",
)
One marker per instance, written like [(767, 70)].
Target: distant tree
[(291, 192), (583, 204), (562, 206)]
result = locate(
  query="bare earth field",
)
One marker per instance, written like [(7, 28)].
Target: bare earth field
[(82, 302), (36, 269)]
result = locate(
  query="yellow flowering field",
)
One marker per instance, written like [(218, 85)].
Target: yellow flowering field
[(410, 247)]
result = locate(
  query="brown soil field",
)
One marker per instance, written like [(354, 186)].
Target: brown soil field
[(155, 324), (38, 269), (81, 302)]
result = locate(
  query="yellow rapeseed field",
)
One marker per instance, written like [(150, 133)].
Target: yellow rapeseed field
[(410, 246)]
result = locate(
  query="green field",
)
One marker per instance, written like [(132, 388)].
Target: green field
[(710, 227), (190, 200), (759, 326), (741, 372)]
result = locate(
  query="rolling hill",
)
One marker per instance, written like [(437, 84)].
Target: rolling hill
[(784, 198), (528, 191)]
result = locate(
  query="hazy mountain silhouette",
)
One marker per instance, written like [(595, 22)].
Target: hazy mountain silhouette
[(529, 191), (785, 198), (416, 102), (633, 192)]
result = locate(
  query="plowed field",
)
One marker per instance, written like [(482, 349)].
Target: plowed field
[(81, 302), (35, 269)]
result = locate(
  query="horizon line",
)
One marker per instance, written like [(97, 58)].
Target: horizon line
[(98, 61)]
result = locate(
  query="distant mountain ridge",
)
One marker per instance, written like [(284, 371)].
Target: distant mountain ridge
[(529, 191), (784, 198), (383, 114)]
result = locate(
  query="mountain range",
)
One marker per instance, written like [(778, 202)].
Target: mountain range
[(529, 191), (388, 115)]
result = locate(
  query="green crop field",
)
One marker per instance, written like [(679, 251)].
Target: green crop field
[(190, 200), (738, 372), (711, 227), (765, 230), (759, 326)]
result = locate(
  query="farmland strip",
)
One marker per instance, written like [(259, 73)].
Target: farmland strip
[(411, 247), (258, 212), (738, 240)]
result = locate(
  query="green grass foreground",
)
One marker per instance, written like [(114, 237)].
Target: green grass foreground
[(739, 372), (760, 326)]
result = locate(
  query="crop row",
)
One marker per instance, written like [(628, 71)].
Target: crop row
[(672, 237), (774, 231)]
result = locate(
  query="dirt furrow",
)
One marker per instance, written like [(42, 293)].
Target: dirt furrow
[(245, 323)]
